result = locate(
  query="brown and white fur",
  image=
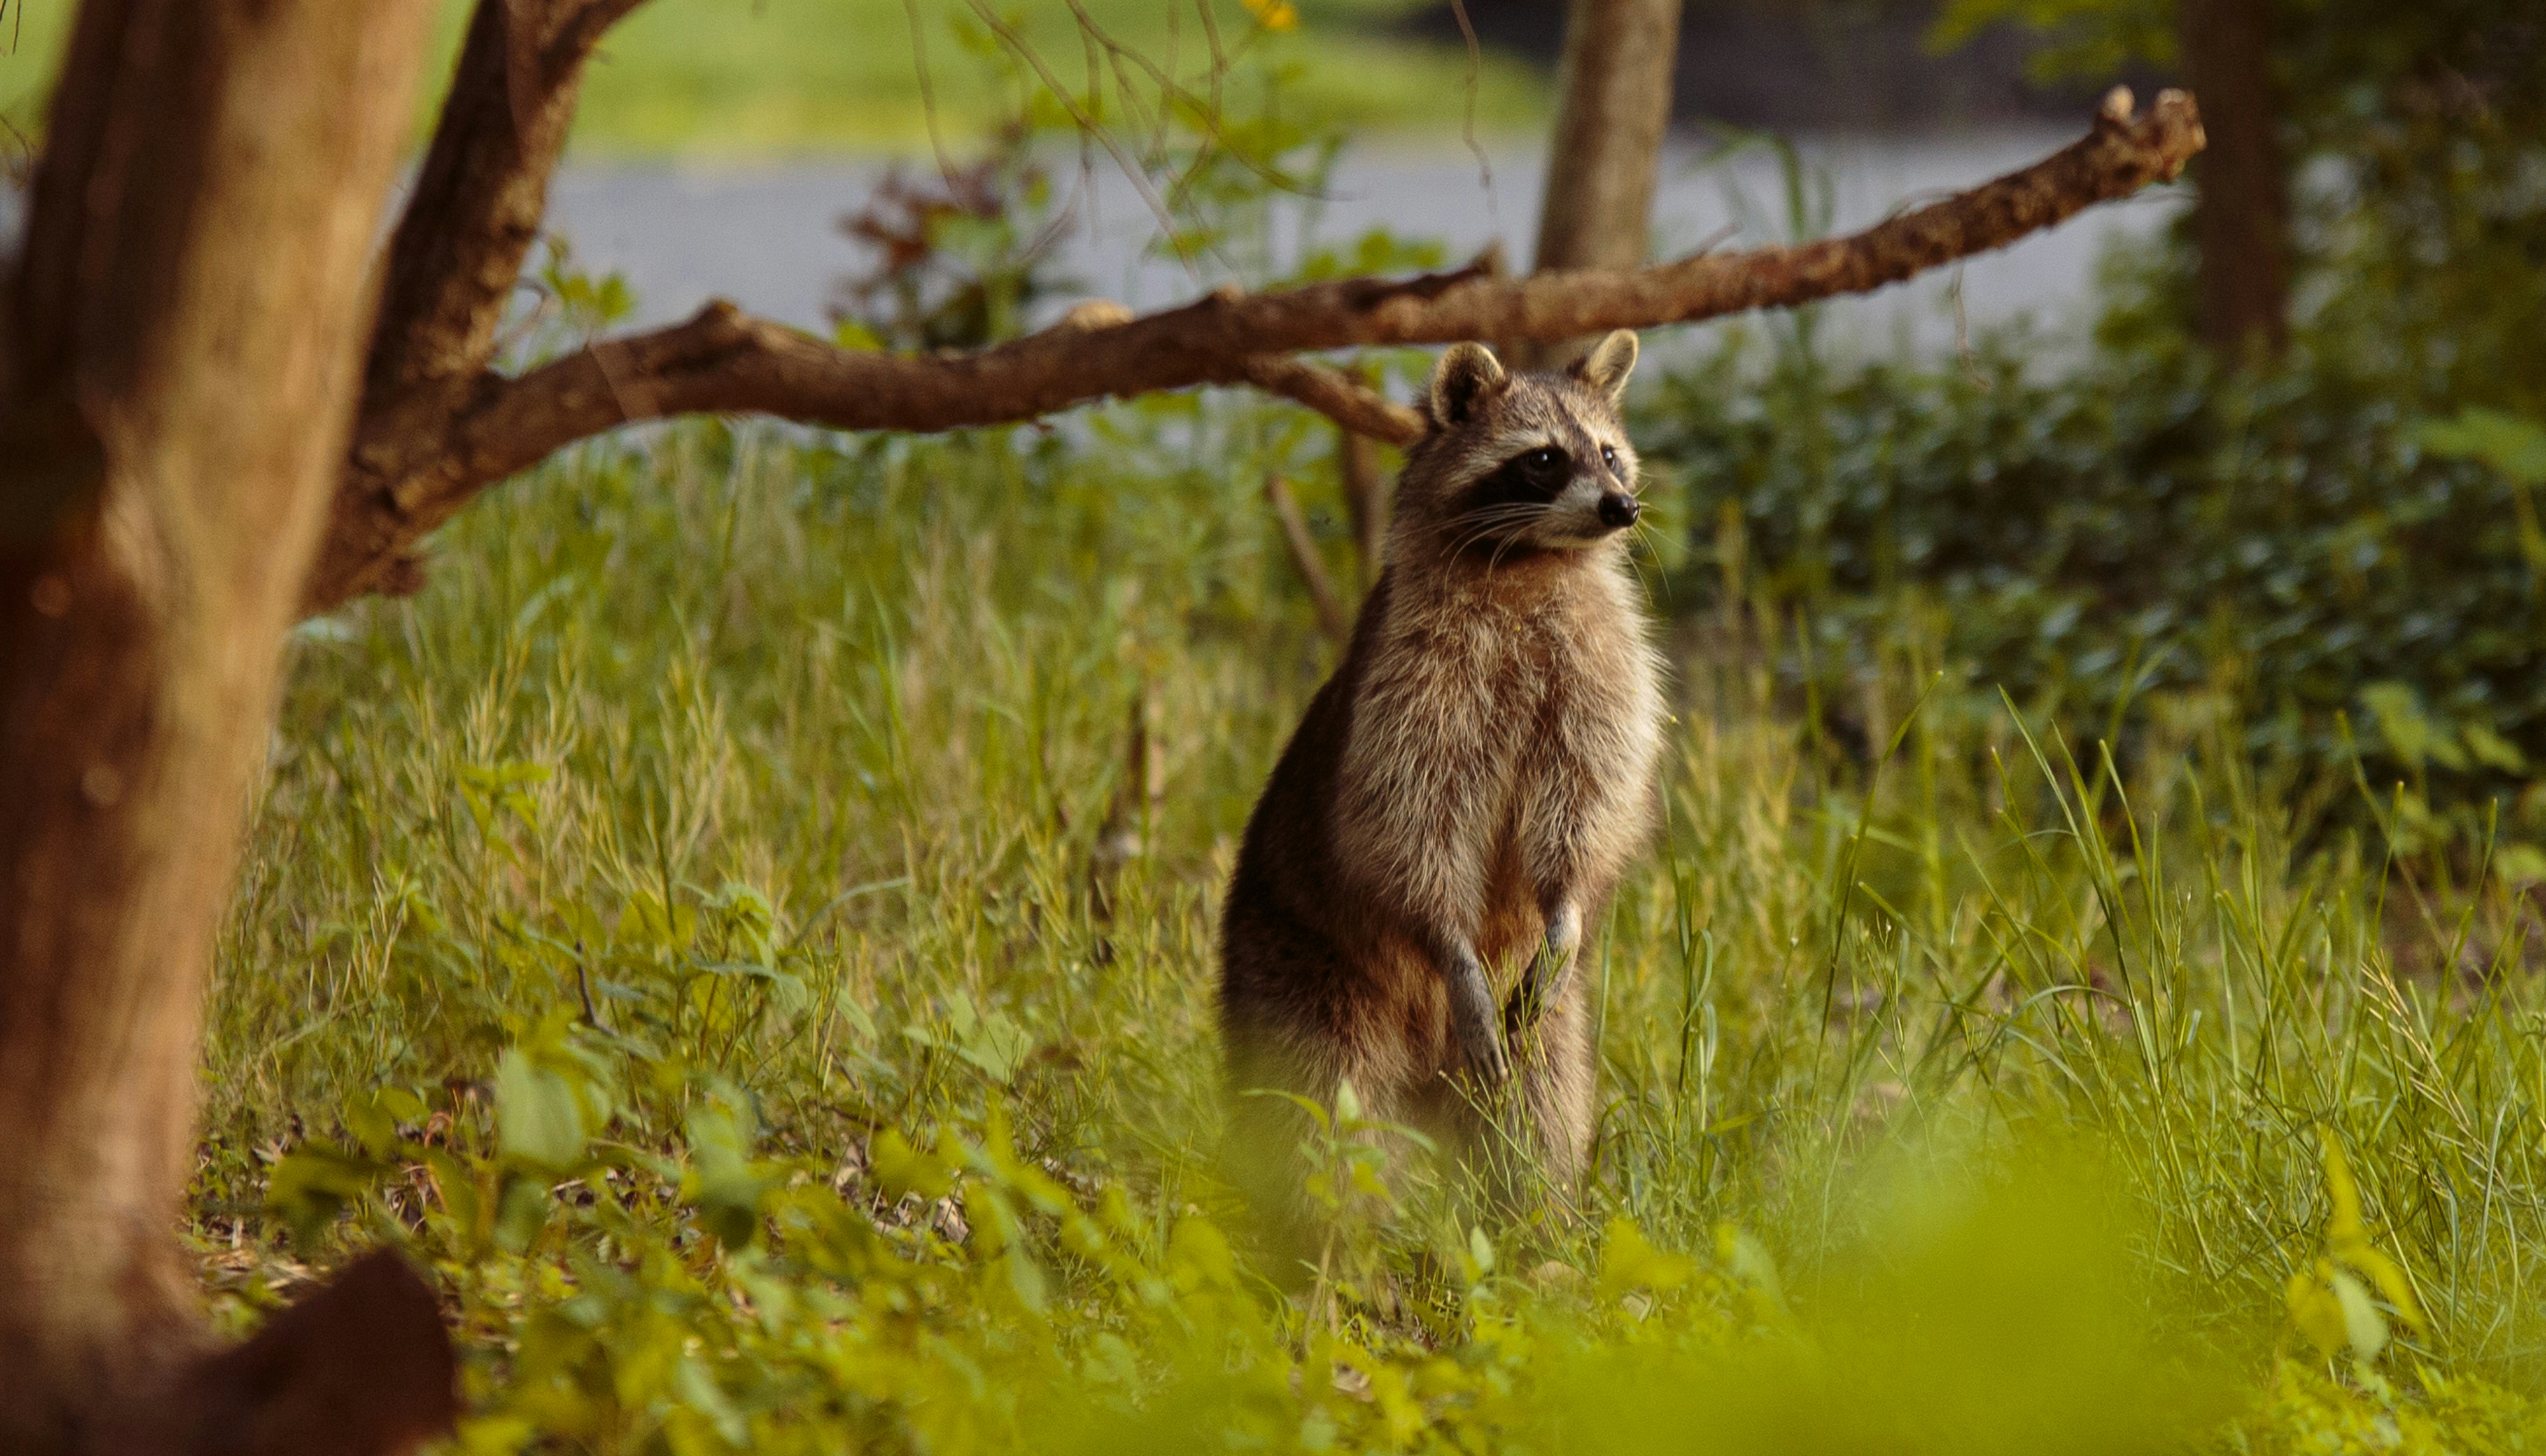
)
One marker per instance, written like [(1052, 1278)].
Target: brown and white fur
[(1461, 797)]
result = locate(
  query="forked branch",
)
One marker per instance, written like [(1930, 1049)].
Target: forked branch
[(724, 361), (481, 193)]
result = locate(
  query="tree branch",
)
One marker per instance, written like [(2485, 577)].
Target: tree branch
[(480, 195), (722, 361), (1359, 408), (457, 255)]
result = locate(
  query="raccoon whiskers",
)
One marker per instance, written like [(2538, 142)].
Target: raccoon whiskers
[(1636, 534), (1493, 519), (1477, 524), (1496, 559)]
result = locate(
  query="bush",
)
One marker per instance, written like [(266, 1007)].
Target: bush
[(2302, 543)]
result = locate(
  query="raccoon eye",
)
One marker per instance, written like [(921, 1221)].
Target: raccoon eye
[(1545, 458), (1609, 456)]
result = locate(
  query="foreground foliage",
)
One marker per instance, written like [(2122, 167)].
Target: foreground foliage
[(723, 930)]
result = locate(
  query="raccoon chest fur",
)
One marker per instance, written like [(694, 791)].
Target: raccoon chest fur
[(1499, 724)]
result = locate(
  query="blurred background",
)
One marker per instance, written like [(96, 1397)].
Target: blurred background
[(720, 139), (2254, 454), (746, 926)]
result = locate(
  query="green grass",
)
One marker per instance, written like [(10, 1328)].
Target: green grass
[(755, 79), (676, 929)]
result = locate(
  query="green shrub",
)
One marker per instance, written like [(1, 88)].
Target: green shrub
[(2299, 544)]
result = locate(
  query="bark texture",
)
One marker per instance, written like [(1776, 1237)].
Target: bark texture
[(178, 354), (457, 253), (724, 361), (2241, 218), (1615, 107)]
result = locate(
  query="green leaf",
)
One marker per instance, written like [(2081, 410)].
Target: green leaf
[(373, 1126), (316, 1181), (461, 1196), (2411, 737), (988, 1040), (861, 1021), (998, 1046), (493, 1435), (2345, 1230), (538, 1118), (1347, 1103), (1628, 1261), (2491, 749), (904, 1171), (2364, 1328), (698, 1390), (2316, 1311), (722, 1183), (1199, 1256), (2514, 446), (2347, 1245), (521, 1212), (1746, 1258)]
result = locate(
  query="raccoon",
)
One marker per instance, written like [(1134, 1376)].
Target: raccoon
[(1410, 902)]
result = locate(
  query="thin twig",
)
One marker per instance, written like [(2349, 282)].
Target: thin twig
[(1365, 491), (1313, 566), (1468, 122)]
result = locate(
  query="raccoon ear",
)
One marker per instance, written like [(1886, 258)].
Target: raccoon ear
[(1607, 365), (1466, 373)]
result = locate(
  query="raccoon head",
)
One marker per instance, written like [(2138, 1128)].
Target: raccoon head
[(1517, 464)]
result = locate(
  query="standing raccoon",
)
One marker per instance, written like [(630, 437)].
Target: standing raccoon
[(1461, 797)]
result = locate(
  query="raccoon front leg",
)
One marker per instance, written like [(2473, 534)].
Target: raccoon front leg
[(1472, 1022), (1577, 827), (1424, 780), (1550, 971)]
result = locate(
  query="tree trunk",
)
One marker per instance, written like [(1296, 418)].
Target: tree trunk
[(2241, 218), (1616, 105), (178, 358)]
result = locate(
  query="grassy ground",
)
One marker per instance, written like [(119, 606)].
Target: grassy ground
[(744, 79), (679, 928)]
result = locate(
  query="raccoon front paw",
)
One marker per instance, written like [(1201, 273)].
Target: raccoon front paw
[(1550, 971), (1478, 1030), (1541, 987)]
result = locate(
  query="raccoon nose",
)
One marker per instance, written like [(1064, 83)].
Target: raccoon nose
[(1618, 510)]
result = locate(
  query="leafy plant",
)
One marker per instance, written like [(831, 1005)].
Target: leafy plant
[(2130, 541)]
